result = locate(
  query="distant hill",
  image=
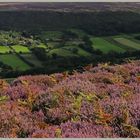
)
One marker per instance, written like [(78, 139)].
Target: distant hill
[(75, 7)]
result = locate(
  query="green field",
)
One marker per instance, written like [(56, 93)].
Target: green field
[(4, 49), (32, 59), (105, 46), (62, 52), (20, 48), (65, 48), (81, 52), (42, 46), (13, 61), (128, 42), (67, 51)]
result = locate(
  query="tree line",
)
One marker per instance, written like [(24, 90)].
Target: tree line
[(96, 23), (70, 63)]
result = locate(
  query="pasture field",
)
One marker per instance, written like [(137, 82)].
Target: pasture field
[(134, 39), (32, 59), (68, 48), (4, 49), (105, 46), (81, 52), (62, 52), (68, 51), (14, 61), (112, 41), (20, 48), (42, 46), (128, 42), (135, 34)]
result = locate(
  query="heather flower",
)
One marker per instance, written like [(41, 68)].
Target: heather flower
[(103, 101)]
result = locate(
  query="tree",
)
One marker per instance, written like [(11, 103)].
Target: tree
[(40, 53), (137, 37), (87, 40), (69, 35), (54, 55), (75, 50)]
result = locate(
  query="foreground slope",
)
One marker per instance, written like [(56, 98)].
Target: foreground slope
[(102, 101)]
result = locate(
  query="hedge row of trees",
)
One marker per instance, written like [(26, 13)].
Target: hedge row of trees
[(63, 64), (137, 37), (4, 68)]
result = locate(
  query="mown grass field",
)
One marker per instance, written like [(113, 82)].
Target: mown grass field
[(4, 49), (20, 49), (42, 46), (62, 52), (105, 46), (80, 52), (128, 42), (14, 61)]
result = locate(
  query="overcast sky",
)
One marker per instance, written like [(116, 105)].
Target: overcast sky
[(69, 0)]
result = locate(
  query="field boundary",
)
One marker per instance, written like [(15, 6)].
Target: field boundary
[(20, 57), (125, 47)]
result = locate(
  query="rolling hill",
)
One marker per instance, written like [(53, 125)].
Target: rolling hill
[(72, 6), (102, 101)]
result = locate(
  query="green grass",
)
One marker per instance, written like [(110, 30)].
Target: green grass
[(128, 42), (118, 43), (112, 41), (42, 46), (81, 52), (105, 46), (20, 48), (66, 51), (32, 59), (4, 49), (13, 61), (132, 38), (62, 52)]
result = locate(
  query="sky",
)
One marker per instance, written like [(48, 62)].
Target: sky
[(69, 0)]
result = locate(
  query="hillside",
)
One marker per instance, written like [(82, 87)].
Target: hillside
[(72, 6), (48, 52), (101, 101)]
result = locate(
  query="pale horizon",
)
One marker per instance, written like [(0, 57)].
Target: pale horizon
[(69, 0)]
